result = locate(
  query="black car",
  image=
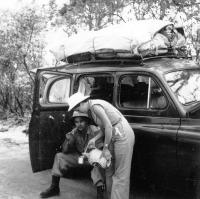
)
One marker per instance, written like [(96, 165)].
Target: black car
[(159, 96)]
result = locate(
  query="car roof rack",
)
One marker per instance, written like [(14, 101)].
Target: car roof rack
[(104, 54), (171, 53), (111, 54)]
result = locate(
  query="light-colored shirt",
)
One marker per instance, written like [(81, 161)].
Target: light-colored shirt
[(112, 113)]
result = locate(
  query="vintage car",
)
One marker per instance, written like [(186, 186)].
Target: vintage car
[(159, 96)]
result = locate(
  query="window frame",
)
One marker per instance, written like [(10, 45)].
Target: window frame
[(92, 74), (57, 76), (152, 77), (182, 70), (50, 87)]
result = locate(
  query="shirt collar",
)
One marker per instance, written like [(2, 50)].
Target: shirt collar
[(81, 132)]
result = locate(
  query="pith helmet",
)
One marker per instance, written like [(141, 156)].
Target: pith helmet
[(79, 114), (76, 99)]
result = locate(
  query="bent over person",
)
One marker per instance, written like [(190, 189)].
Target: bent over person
[(119, 141), (75, 143)]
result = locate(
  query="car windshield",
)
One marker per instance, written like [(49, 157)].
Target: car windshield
[(186, 85)]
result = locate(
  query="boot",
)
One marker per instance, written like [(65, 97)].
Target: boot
[(53, 190), (100, 192)]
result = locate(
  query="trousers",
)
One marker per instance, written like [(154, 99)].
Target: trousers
[(121, 148), (63, 162)]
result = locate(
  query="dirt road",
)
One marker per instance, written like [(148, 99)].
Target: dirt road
[(18, 182)]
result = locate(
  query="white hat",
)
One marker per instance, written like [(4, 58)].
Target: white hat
[(94, 158), (76, 99)]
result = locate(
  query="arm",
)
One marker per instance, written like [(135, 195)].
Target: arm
[(100, 113), (68, 143), (97, 135)]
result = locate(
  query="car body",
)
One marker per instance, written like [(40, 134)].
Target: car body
[(152, 95)]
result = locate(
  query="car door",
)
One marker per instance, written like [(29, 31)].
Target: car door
[(186, 86), (188, 154), (50, 119), (155, 120)]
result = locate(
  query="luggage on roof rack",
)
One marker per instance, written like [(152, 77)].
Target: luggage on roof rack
[(144, 37)]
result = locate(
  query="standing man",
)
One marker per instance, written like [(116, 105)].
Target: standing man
[(75, 143)]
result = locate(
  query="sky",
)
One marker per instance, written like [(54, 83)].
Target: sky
[(13, 5), (52, 35), (8, 4)]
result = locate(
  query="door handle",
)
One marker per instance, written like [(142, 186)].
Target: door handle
[(63, 118), (51, 117)]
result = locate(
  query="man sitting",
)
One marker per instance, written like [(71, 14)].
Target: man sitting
[(75, 143)]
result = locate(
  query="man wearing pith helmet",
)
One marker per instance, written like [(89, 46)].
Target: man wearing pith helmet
[(74, 145)]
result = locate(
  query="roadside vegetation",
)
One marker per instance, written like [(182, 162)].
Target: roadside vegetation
[(22, 38)]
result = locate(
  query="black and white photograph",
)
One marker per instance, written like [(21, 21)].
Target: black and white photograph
[(100, 99)]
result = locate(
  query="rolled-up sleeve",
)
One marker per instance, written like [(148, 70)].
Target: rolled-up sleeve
[(68, 144)]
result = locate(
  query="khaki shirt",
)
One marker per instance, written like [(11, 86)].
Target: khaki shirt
[(77, 140)]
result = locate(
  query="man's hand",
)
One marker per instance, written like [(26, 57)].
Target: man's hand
[(106, 153), (91, 143)]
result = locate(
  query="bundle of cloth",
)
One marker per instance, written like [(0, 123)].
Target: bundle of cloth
[(138, 37), (168, 37)]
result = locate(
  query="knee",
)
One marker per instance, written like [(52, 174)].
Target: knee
[(58, 156), (61, 158), (94, 172)]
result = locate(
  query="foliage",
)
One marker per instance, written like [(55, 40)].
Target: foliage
[(22, 33), (91, 14), (21, 51)]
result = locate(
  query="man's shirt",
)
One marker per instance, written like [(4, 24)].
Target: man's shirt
[(78, 140)]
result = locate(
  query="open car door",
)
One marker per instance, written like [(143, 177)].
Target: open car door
[(50, 120)]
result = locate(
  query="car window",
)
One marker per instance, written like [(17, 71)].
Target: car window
[(97, 86), (59, 91), (185, 85), (141, 91)]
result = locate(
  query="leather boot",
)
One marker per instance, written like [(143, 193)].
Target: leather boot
[(100, 192), (53, 190)]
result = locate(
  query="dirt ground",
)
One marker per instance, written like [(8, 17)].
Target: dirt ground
[(17, 181)]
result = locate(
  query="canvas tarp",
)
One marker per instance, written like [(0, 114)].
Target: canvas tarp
[(126, 36)]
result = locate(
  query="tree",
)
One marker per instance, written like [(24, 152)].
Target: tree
[(21, 33), (91, 14), (20, 51)]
